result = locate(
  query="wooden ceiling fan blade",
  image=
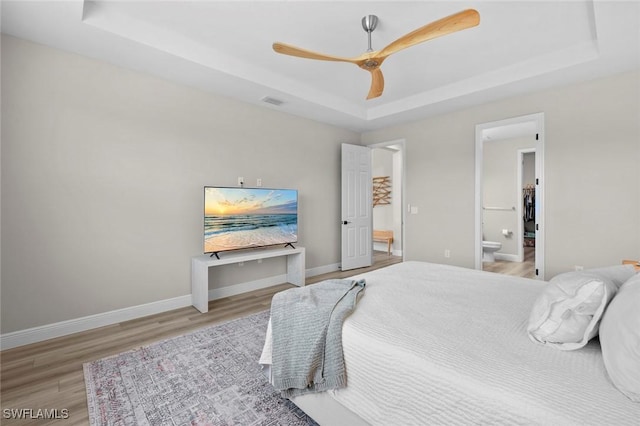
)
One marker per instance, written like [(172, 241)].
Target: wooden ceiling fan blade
[(377, 83), (287, 49), (447, 25)]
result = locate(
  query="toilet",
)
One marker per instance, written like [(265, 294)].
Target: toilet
[(489, 248)]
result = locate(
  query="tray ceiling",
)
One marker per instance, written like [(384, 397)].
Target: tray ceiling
[(225, 48)]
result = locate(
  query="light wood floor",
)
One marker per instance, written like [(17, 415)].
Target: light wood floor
[(48, 375), (525, 269)]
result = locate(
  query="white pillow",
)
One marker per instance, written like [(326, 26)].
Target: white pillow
[(618, 274), (567, 313), (620, 339)]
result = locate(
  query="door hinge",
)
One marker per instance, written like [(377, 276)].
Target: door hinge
[(537, 181), (537, 271), (537, 136), (537, 227)]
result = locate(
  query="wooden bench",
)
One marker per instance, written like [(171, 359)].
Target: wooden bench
[(384, 237), (635, 263)]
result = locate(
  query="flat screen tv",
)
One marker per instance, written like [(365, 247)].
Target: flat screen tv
[(238, 218)]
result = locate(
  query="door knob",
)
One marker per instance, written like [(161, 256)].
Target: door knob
[(344, 222)]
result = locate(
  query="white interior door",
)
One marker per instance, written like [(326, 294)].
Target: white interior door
[(357, 190)]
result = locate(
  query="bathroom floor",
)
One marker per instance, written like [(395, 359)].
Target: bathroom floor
[(524, 269)]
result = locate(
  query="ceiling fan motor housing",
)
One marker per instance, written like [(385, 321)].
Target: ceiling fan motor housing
[(369, 23)]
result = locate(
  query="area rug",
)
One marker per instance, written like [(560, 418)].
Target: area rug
[(208, 377)]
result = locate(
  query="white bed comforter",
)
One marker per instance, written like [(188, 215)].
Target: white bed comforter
[(435, 344)]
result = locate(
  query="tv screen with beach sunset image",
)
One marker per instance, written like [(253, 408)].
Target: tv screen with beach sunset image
[(237, 218)]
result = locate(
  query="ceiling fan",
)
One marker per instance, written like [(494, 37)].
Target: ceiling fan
[(371, 60)]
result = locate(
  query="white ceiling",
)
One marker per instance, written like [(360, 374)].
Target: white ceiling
[(225, 47)]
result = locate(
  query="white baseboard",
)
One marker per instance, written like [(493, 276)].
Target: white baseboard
[(232, 290), (322, 270), (64, 328), (507, 257)]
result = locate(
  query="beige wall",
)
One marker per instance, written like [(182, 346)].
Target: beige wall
[(102, 183), (592, 152), (103, 169)]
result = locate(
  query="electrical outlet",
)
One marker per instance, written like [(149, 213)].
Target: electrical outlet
[(258, 182), (240, 263), (447, 253), (579, 267), (240, 181)]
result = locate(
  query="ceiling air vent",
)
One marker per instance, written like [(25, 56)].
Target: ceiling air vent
[(272, 101)]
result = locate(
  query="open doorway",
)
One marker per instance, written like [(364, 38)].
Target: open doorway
[(509, 229), (527, 210), (509, 199), (387, 162)]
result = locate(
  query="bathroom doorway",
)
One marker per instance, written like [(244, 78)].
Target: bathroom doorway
[(509, 210), (516, 255)]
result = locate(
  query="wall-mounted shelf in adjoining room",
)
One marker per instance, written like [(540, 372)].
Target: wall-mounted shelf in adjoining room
[(381, 190)]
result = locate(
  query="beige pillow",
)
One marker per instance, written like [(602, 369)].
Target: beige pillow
[(620, 339), (567, 313)]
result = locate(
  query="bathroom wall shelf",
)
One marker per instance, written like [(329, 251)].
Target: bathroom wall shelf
[(381, 190)]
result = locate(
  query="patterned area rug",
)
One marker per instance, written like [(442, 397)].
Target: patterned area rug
[(207, 377)]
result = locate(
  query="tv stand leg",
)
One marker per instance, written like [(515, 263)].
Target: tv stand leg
[(289, 244), (200, 286), (215, 253)]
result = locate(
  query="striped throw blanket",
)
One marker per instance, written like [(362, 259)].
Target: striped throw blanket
[(306, 326)]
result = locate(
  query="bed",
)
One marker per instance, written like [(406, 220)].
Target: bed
[(437, 344)]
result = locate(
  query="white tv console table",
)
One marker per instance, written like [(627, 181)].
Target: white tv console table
[(200, 269)]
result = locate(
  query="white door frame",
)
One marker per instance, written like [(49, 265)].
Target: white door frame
[(538, 120), (401, 143)]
